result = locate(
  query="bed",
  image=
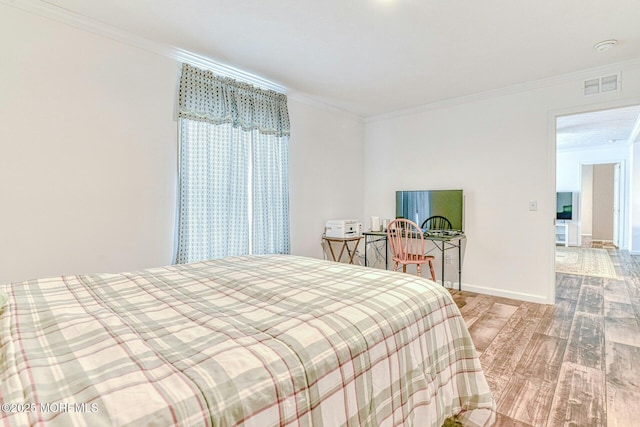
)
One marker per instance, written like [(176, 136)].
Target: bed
[(273, 340)]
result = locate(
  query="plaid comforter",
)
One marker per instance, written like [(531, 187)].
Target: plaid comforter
[(244, 341)]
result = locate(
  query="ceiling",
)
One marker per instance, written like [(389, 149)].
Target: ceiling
[(371, 57), (598, 129)]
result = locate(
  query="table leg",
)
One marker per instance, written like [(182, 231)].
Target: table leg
[(333, 255), (365, 251), (460, 265), (386, 253), (344, 244), (353, 252), (443, 261)]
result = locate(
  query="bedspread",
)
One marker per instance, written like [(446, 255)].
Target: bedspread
[(271, 340)]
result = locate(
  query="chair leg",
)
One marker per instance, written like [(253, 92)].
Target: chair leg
[(395, 266), (404, 268), (433, 271), (419, 270)]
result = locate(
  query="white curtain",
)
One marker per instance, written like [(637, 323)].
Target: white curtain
[(270, 195), (233, 169)]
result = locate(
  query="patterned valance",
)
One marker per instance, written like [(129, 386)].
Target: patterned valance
[(209, 98)]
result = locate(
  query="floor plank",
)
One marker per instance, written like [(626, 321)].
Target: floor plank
[(623, 330), (635, 303), (633, 287), (623, 383), (568, 286), (591, 299), (615, 291), (558, 318), (622, 408), (586, 341), (487, 327), (505, 421), (579, 398), (619, 310), (575, 363), (501, 358), (593, 281), (527, 399), (543, 357), (475, 308)]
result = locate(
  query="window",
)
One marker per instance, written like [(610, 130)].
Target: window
[(233, 169)]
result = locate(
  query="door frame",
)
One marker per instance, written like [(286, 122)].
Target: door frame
[(552, 117), (621, 217)]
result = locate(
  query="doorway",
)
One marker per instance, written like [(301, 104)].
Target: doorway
[(601, 194), (592, 154)]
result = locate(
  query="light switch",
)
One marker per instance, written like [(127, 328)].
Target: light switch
[(533, 205)]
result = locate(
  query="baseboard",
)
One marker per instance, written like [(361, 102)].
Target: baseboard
[(538, 299), (634, 252)]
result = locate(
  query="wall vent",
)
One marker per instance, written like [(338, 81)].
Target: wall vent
[(604, 84)]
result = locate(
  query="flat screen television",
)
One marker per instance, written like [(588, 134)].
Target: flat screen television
[(420, 205), (564, 205)]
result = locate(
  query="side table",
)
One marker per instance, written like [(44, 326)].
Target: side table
[(344, 244)]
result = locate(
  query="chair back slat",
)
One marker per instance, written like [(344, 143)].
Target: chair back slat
[(406, 240), (436, 222)]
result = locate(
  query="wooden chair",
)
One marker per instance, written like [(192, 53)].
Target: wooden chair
[(436, 222), (407, 245)]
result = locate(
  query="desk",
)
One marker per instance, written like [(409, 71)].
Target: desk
[(441, 242), (344, 244)]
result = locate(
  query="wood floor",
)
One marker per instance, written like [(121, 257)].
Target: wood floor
[(575, 363)]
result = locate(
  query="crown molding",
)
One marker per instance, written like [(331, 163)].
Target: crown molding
[(314, 102), (508, 90), (56, 13)]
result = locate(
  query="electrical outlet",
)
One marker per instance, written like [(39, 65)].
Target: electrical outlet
[(533, 205), (448, 259)]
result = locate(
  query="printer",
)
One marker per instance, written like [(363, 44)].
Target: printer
[(343, 228)]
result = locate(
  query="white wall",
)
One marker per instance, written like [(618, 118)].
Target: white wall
[(326, 173), (89, 154), (500, 149), (569, 163), (88, 151), (586, 201)]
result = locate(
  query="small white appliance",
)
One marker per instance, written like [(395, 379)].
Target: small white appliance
[(343, 228)]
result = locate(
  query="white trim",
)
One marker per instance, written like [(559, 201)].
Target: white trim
[(577, 77), (67, 17), (603, 147), (538, 299), (591, 108), (222, 69), (309, 100), (552, 154), (634, 252)]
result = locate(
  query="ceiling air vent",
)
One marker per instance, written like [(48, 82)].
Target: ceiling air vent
[(602, 84)]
